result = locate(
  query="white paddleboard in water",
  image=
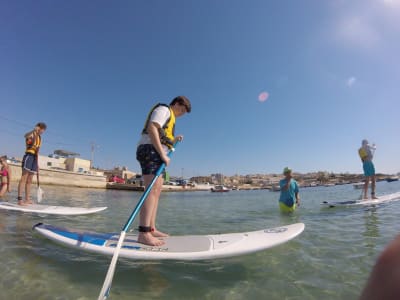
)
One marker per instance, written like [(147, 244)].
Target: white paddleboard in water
[(190, 247), (381, 199), (50, 209)]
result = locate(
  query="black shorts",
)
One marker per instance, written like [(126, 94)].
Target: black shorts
[(149, 159), (30, 163)]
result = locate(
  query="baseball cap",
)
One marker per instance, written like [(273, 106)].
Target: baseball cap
[(287, 170)]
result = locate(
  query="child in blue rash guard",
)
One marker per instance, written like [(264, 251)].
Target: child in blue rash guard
[(289, 197)]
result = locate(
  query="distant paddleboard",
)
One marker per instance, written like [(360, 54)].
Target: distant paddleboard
[(381, 199), (190, 247), (50, 209)]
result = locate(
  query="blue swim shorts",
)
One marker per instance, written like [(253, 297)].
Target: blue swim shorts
[(29, 163), (149, 159), (369, 169)]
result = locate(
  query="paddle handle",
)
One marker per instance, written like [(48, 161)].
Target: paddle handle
[(147, 191)]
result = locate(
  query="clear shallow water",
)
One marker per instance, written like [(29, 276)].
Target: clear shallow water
[(331, 259)]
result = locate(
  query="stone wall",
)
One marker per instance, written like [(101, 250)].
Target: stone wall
[(61, 177)]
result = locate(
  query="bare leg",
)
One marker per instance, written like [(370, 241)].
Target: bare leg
[(157, 191), (146, 214), (22, 186), (28, 189), (366, 187), (373, 184), (3, 190)]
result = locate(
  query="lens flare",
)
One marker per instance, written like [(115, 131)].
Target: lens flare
[(263, 97)]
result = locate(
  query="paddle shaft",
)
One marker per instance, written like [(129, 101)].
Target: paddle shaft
[(146, 193), (37, 171), (39, 190), (105, 290)]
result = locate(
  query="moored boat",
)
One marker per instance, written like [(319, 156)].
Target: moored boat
[(392, 178), (275, 188), (220, 189), (358, 185)]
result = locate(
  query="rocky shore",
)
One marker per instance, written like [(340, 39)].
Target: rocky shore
[(204, 183)]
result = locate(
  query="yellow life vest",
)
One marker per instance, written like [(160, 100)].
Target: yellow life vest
[(33, 143), (362, 153), (167, 131)]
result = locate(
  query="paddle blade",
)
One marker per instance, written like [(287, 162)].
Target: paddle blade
[(39, 194), (105, 290)]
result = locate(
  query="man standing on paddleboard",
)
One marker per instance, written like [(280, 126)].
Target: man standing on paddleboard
[(156, 140), (33, 141), (289, 197), (366, 153)]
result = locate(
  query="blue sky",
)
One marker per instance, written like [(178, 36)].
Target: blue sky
[(92, 69)]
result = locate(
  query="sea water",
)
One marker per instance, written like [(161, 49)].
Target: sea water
[(331, 259)]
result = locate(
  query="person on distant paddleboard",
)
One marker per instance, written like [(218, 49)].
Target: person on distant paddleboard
[(289, 197), (157, 139), (366, 153), (33, 141), (5, 174)]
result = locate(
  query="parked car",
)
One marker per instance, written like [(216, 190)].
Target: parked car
[(116, 179)]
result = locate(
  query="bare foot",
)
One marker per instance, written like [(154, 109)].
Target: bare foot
[(374, 197), (27, 202), (22, 203), (157, 233), (148, 239)]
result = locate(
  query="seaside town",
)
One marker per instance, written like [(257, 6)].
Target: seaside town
[(68, 169), (200, 150)]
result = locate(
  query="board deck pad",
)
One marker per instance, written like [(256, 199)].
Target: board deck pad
[(381, 199), (51, 209), (173, 244), (188, 247)]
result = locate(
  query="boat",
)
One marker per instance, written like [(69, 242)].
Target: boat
[(220, 189), (275, 188), (392, 178), (358, 185)]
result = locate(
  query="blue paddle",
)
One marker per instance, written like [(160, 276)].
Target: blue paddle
[(105, 290), (39, 192)]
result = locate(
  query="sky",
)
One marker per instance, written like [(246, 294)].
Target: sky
[(272, 83)]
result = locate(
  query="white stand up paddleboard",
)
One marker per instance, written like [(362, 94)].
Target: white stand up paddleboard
[(381, 199), (191, 247), (51, 209)]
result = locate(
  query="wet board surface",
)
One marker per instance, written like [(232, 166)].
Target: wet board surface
[(50, 209), (381, 199), (188, 247)]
